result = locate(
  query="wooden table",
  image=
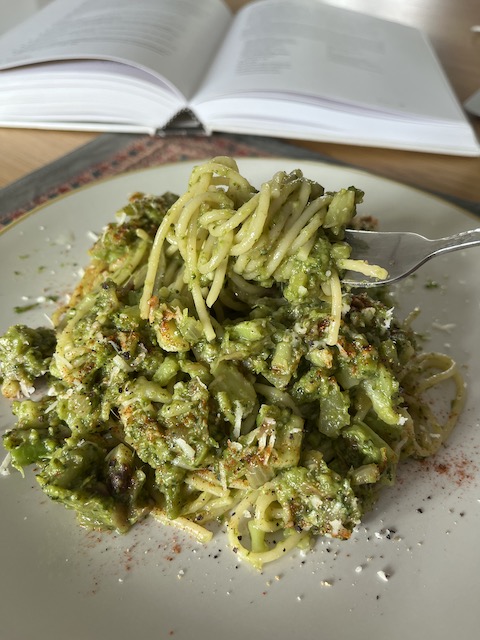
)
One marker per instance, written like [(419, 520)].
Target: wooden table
[(448, 23)]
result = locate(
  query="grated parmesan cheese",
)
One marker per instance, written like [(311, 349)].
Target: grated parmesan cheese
[(185, 447), (5, 466)]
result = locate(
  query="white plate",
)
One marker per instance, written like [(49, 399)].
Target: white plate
[(59, 581)]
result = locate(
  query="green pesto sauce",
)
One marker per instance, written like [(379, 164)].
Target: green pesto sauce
[(136, 408)]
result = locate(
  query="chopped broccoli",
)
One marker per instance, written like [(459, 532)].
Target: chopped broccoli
[(25, 356), (317, 499)]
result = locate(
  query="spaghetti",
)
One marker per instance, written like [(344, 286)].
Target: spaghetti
[(212, 365), (221, 217)]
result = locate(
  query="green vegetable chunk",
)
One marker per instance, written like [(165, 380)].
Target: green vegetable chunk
[(25, 356), (317, 499)]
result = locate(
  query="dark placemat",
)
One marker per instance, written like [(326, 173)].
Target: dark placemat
[(113, 154)]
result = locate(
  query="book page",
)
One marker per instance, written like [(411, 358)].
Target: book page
[(313, 50), (173, 38), (83, 94)]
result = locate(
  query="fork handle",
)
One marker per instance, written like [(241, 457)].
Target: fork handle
[(458, 241)]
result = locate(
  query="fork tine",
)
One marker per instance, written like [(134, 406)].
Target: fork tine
[(400, 252)]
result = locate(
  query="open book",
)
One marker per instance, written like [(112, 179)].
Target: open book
[(302, 69)]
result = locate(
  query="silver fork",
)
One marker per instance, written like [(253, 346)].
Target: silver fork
[(400, 252)]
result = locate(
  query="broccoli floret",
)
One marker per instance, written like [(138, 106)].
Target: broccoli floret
[(359, 446), (25, 356), (317, 499), (342, 209), (104, 488), (36, 435), (320, 387), (142, 208)]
